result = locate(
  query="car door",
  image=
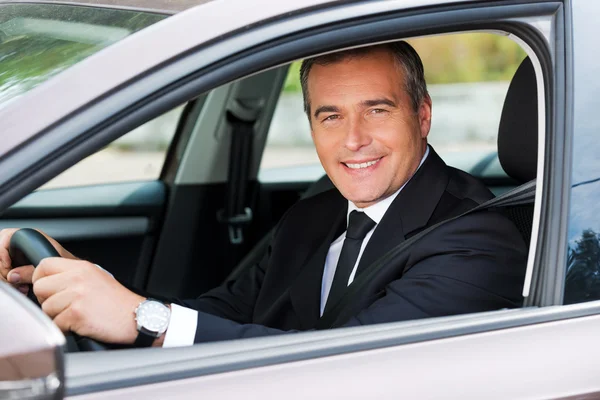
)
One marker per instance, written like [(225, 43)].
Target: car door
[(479, 355)]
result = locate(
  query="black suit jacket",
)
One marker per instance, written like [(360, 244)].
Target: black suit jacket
[(474, 263)]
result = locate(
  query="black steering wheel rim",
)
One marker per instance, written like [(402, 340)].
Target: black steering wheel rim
[(28, 246)]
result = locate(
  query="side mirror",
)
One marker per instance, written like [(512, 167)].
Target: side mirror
[(31, 350)]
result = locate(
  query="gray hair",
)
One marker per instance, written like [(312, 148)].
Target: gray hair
[(405, 55)]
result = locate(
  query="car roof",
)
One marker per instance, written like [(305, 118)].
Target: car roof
[(161, 6)]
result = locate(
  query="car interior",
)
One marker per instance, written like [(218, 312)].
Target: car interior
[(189, 231)]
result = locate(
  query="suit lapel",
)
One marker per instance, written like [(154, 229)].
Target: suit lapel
[(305, 292), (410, 210)]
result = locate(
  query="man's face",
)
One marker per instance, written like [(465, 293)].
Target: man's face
[(366, 132)]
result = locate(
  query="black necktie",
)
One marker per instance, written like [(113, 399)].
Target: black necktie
[(359, 224)]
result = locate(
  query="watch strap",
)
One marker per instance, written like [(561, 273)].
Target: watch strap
[(144, 339)]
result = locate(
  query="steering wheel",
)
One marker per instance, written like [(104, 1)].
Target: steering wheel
[(28, 246)]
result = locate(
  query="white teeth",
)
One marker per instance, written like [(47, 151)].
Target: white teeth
[(361, 165)]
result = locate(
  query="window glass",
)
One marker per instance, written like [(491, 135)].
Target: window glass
[(582, 281), (138, 155), (37, 41), (288, 142), (467, 76)]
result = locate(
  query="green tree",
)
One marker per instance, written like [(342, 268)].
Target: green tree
[(456, 58), (28, 57), (468, 57), (583, 269)]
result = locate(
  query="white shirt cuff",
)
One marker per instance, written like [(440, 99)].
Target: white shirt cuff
[(182, 327)]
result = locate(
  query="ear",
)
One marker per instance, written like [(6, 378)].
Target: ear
[(425, 116)]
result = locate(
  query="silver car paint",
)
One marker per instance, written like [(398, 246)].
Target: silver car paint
[(528, 362), (31, 358)]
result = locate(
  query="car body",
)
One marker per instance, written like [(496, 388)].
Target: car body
[(159, 236)]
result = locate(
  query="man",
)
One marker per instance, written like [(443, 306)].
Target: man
[(370, 115)]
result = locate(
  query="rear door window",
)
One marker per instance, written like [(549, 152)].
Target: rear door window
[(137, 156)]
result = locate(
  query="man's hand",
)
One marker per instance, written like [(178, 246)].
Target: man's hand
[(20, 277), (82, 298)]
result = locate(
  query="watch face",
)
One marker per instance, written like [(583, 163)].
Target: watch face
[(153, 316)]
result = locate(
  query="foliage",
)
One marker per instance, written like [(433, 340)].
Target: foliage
[(24, 61), (583, 269), (468, 57), (38, 41), (292, 82), (456, 58)]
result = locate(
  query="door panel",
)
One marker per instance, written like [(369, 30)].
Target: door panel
[(111, 225), (507, 354), (123, 199), (484, 365)]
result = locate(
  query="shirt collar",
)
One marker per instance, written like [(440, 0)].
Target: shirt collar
[(378, 210)]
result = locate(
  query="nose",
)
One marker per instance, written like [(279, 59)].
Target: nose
[(357, 136)]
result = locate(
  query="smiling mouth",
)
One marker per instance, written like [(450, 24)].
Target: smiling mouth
[(362, 165)]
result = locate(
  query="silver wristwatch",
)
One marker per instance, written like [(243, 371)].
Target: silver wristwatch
[(152, 318)]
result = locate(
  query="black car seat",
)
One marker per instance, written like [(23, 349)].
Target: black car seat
[(518, 139), (517, 151)]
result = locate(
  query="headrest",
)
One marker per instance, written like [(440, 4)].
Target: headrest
[(518, 132)]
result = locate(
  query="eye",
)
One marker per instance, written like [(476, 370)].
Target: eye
[(331, 117), (378, 111)]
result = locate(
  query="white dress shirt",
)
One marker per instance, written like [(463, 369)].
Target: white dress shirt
[(376, 213), (183, 323)]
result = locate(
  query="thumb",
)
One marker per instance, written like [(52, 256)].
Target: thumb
[(21, 275)]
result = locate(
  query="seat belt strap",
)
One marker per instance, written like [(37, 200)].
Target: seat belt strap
[(343, 310), (236, 214)]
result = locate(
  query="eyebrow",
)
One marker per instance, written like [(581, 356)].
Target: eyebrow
[(378, 102), (365, 103), (324, 109)]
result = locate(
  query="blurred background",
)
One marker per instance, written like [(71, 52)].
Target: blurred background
[(467, 76)]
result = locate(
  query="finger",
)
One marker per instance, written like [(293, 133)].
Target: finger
[(21, 275), (5, 261), (64, 321), (5, 236), (48, 286), (50, 266), (57, 303), (23, 289)]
